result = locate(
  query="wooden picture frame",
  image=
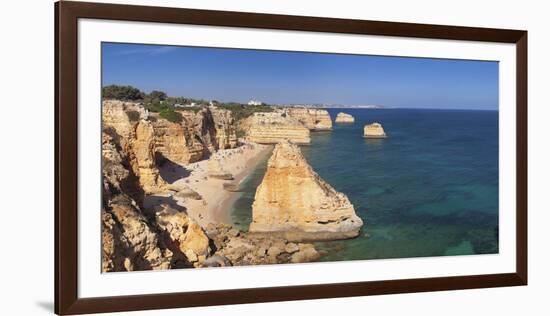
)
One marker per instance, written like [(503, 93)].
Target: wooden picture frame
[(66, 122)]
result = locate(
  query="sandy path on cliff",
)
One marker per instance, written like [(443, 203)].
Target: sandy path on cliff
[(216, 202)]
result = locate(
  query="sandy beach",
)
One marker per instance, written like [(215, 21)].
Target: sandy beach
[(215, 204)]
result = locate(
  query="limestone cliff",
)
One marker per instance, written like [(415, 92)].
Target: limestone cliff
[(344, 118), (374, 130), (273, 127), (128, 243), (313, 119), (213, 127), (127, 124), (117, 174), (132, 237), (199, 134), (176, 141), (292, 199), (134, 142)]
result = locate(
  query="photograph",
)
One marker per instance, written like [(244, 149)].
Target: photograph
[(221, 157)]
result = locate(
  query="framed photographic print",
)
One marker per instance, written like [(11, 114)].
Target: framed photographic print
[(210, 157)]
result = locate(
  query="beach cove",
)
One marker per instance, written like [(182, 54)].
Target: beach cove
[(216, 202)]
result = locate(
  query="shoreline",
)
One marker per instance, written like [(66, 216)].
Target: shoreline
[(221, 211), (216, 203)]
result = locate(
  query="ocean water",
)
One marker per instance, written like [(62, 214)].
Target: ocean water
[(429, 189)]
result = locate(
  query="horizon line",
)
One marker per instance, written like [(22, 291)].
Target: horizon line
[(312, 105)]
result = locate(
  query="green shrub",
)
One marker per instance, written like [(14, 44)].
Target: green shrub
[(240, 133), (157, 95), (171, 115), (133, 116), (193, 109), (155, 106), (241, 111), (125, 93)]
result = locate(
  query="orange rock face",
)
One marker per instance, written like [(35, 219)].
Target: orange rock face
[(294, 200)]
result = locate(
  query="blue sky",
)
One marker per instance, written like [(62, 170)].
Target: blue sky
[(294, 77)]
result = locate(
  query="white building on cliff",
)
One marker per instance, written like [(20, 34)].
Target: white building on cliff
[(254, 102)]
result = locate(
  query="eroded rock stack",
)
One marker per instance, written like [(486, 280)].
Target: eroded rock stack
[(344, 118), (374, 130), (224, 123), (313, 119), (271, 128), (294, 201)]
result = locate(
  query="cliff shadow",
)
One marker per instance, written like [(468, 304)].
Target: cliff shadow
[(169, 170), (150, 201)]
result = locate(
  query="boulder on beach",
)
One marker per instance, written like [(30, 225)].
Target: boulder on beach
[(231, 187), (216, 171), (374, 130), (188, 193)]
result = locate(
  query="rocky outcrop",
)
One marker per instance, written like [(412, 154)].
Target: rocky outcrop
[(295, 202), (117, 174), (224, 123), (344, 118), (272, 127), (114, 245), (374, 130), (183, 235), (238, 248), (129, 128), (313, 119), (144, 153), (138, 243)]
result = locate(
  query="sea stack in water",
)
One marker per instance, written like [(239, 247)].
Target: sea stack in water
[(374, 130), (344, 118), (293, 200)]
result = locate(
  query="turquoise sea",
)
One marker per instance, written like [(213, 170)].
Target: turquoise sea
[(429, 189)]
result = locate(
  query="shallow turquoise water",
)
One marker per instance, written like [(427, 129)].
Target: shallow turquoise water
[(429, 189)]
